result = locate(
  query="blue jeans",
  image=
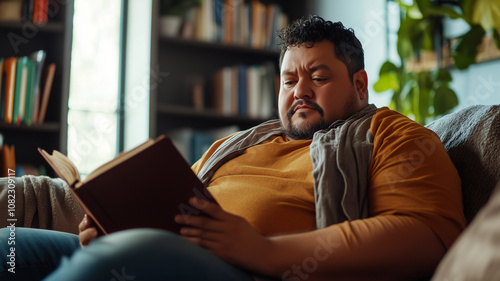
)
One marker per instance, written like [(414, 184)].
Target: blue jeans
[(140, 254)]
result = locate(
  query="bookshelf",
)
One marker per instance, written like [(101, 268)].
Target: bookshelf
[(55, 37), (186, 60)]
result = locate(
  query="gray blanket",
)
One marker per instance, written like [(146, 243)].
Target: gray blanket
[(41, 202)]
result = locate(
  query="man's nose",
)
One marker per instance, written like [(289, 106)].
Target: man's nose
[(303, 90)]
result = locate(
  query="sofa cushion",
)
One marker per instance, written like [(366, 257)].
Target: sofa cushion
[(472, 138), (475, 255)]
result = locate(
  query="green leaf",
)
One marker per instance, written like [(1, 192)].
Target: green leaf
[(466, 6), (425, 83), (388, 78), (445, 99), (405, 48), (429, 8), (496, 38), (428, 36), (442, 76), (401, 4), (406, 33), (415, 108), (486, 13), (388, 67), (388, 81), (465, 51), (414, 12), (445, 11)]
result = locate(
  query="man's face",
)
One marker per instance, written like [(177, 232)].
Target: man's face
[(315, 90)]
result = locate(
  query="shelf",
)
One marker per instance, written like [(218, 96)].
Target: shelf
[(49, 127), (188, 112), (193, 62), (17, 25), (217, 46)]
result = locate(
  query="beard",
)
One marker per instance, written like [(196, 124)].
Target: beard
[(307, 131)]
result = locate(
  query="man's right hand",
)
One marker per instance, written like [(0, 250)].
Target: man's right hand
[(88, 231)]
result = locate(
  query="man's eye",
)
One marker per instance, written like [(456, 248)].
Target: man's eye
[(288, 82), (319, 79)]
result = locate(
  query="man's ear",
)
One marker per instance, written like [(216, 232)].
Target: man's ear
[(360, 82)]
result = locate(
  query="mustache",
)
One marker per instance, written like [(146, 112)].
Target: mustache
[(313, 105)]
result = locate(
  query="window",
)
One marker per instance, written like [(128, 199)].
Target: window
[(94, 84)]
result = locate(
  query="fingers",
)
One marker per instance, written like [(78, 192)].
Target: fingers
[(87, 236), (200, 222), (87, 231), (209, 208), (84, 224), (202, 241), (200, 234)]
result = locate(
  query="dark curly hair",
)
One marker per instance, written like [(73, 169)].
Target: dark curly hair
[(311, 29)]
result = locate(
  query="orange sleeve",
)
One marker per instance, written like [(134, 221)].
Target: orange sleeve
[(412, 175)]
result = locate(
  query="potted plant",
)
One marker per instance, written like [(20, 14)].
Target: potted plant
[(424, 92)]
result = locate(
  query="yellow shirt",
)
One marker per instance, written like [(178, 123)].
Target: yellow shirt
[(270, 185)]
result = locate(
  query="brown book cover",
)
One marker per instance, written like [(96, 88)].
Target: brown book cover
[(10, 83), (47, 86), (8, 159), (142, 188)]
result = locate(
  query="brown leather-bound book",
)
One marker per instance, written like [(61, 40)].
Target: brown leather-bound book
[(142, 188)]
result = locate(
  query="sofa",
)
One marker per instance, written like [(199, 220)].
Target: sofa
[(470, 135)]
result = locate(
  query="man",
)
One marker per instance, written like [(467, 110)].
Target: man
[(336, 189)]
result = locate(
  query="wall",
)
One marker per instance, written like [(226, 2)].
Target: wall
[(480, 84)]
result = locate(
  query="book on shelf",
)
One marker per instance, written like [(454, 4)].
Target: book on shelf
[(36, 11), (19, 85), (39, 59), (250, 23), (24, 90), (30, 169), (144, 187), (2, 91), (27, 10), (9, 88), (8, 159), (48, 80), (40, 11), (193, 143), (245, 90)]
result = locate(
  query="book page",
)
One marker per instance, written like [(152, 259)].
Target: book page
[(62, 166)]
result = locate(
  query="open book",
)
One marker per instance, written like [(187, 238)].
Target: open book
[(144, 187)]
